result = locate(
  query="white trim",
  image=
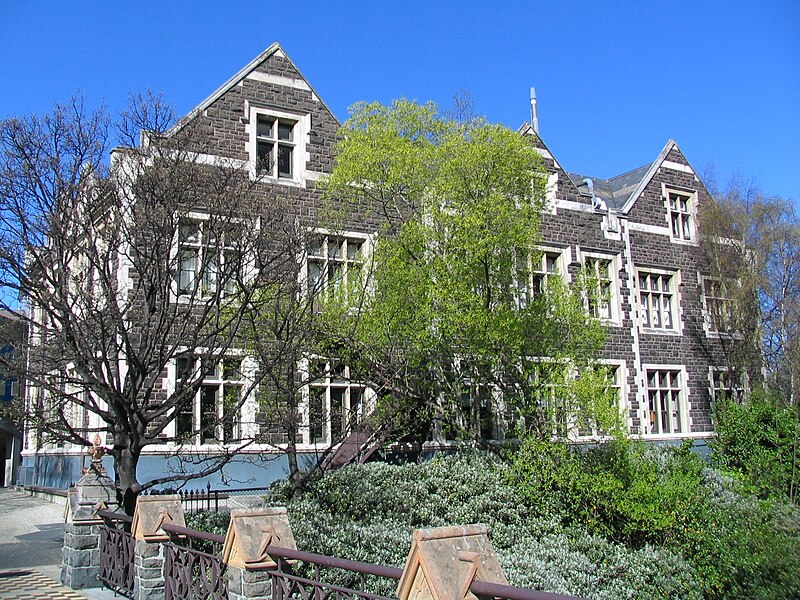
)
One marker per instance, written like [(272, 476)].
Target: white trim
[(300, 154), (669, 164), (685, 407), (290, 82), (656, 229), (578, 206), (648, 176), (545, 153), (615, 303), (691, 211)]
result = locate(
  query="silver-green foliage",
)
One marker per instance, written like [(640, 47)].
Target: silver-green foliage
[(368, 513)]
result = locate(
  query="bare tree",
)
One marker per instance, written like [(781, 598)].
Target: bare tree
[(754, 250), (130, 269)]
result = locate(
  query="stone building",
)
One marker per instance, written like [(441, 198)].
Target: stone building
[(637, 233)]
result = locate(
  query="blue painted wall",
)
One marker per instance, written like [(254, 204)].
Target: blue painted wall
[(252, 470)]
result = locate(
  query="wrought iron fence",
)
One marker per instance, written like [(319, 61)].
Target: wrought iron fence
[(116, 552), (193, 566), (216, 500)]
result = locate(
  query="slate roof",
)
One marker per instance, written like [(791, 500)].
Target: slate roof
[(615, 191)]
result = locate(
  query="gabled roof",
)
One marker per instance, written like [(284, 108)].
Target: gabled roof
[(274, 49), (527, 129), (621, 192)]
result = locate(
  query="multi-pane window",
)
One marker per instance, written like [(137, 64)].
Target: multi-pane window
[(719, 306), (335, 404), (587, 422), (213, 414), (680, 215), (206, 256), (334, 263), (657, 300), (666, 400), (727, 384), (534, 272), (600, 291), (275, 146), (551, 399)]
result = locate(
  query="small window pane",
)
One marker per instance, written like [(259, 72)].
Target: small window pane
[(190, 233), (264, 127), (264, 156), (285, 131), (284, 161)]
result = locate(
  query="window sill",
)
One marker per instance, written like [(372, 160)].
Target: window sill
[(654, 331), (692, 242), (271, 180)]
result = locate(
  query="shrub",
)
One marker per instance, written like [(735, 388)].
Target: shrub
[(757, 442), (368, 512), (626, 491), (742, 546)]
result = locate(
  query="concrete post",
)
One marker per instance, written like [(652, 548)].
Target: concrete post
[(80, 555), (148, 567), (244, 552)]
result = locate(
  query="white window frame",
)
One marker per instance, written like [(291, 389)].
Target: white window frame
[(301, 126), (681, 221), (716, 385), (621, 387), (612, 304), (723, 299), (330, 385), (653, 419), (201, 247), (319, 289), (672, 293), (216, 378), (526, 273)]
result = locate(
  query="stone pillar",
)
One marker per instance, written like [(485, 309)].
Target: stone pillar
[(249, 534), (444, 561), (80, 555), (148, 568), (248, 584)]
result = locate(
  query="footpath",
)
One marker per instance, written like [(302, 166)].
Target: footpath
[(31, 535)]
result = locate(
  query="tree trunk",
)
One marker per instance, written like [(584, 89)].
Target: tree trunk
[(128, 486)]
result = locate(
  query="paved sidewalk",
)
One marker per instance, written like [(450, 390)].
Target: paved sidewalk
[(31, 535)]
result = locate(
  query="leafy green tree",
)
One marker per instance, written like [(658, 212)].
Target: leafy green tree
[(448, 323)]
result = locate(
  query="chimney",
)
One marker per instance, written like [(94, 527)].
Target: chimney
[(534, 114)]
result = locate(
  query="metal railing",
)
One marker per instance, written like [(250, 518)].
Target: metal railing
[(116, 552), (290, 579), (496, 591), (193, 566)]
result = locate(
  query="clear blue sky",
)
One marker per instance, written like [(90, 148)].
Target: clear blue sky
[(615, 80)]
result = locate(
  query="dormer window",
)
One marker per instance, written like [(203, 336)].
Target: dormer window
[(681, 207), (275, 145)]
